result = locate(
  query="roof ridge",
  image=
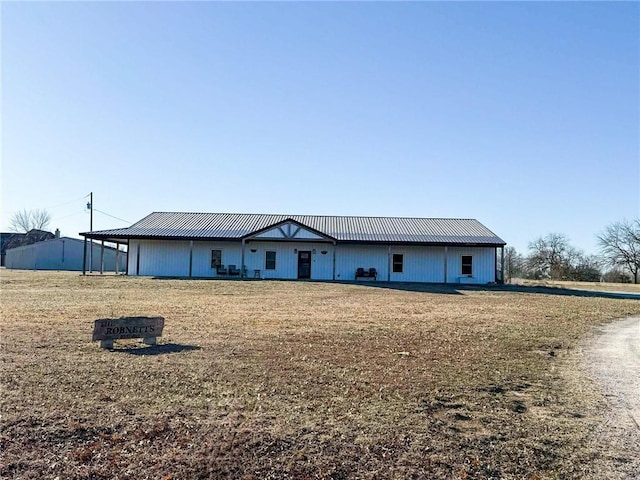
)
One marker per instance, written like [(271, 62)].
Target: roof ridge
[(291, 215)]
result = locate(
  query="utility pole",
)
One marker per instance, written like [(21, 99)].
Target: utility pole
[(90, 207)]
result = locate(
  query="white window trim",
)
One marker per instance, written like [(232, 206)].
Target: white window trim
[(275, 259), (213, 250), (469, 275), (393, 263)]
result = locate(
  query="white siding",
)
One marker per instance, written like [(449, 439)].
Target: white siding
[(201, 267), (287, 259), (21, 258), (61, 254), (273, 233), (164, 258), (307, 235), (351, 257), (483, 264), (420, 264), (132, 256), (289, 229), (171, 258)]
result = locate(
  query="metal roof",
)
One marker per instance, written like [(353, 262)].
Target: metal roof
[(230, 226)]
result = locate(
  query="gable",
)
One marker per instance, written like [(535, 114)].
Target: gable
[(289, 231)]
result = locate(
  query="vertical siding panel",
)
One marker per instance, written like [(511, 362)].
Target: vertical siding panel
[(351, 257), (132, 254), (164, 258), (421, 264), (231, 255), (322, 268), (57, 254), (201, 260), (483, 264), (287, 259)]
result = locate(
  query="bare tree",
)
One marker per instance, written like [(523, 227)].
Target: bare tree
[(585, 268), (620, 246), (514, 264), (551, 257), (616, 275), (27, 220)]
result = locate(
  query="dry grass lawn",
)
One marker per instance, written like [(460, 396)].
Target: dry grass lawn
[(597, 286), (301, 380)]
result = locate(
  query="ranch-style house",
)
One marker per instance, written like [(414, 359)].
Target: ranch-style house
[(228, 245)]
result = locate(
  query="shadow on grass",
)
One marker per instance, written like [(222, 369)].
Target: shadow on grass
[(449, 288), (457, 289), (157, 349)]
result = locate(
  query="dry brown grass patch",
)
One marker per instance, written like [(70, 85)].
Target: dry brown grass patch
[(294, 380)]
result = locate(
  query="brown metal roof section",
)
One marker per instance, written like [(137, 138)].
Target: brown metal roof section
[(344, 229)]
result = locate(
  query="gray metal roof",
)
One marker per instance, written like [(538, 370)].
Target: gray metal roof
[(229, 226)]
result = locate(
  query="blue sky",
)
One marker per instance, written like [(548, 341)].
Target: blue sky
[(524, 115)]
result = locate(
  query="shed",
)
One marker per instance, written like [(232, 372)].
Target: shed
[(223, 245), (10, 240), (64, 253)]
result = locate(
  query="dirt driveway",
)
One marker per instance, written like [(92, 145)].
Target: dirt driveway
[(613, 360)]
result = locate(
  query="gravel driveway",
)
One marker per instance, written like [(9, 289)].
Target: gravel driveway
[(614, 362)]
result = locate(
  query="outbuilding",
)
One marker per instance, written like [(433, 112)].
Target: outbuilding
[(15, 239), (228, 245), (65, 253)]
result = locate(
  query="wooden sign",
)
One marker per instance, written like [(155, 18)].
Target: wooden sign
[(109, 329)]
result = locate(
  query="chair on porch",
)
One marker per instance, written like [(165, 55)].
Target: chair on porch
[(234, 271), (221, 270)]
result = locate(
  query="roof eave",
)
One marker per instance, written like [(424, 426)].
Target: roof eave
[(422, 244), (124, 239)]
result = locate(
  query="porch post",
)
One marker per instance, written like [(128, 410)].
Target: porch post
[(389, 263), (126, 267), (446, 254), (334, 260), (102, 257), (242, 269), (84, 258), (117, 256), (190, 257)]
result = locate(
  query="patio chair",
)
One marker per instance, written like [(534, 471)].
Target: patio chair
[(221, 270)]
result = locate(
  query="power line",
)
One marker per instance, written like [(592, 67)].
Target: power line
[(65, 216), (49, 207), (112, 216), (64, 203)]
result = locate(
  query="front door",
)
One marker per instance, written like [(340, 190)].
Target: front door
[(304, 264)]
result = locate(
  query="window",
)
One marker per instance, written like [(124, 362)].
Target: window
[(398, 261), (270, 261), (216, 258), (467, 265)]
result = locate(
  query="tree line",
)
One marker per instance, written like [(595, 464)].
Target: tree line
[(553, 257)]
